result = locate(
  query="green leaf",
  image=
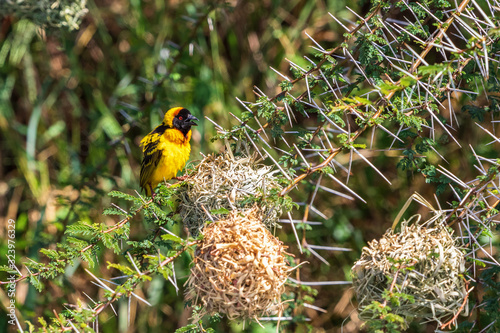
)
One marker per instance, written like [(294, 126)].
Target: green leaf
[(89, 257), (286, 85), (82, 228), (36, 283), (475, 112), (187, 328), (431, 69), (388, 87), (114, 211), (172, 238), (121, 195), (51, 254), (221, 210), (407, 81), (124, 269), (357, 100), (78, 243), (111, 242)]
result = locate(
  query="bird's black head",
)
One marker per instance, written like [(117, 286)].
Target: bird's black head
[(183, 121)]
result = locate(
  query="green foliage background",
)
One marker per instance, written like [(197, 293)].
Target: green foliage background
[(74, 105)]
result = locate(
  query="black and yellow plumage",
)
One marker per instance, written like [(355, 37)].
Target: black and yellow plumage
[(166, 149)]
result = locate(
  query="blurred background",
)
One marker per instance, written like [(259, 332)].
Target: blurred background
[(74, 104)]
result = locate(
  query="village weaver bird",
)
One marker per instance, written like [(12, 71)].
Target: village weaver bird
[(166, 149)]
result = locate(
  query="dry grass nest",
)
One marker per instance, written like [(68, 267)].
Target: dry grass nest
[(239, 268), (435, 279), (223, 183)]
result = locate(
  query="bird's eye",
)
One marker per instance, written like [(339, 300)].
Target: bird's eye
[(180, 118)]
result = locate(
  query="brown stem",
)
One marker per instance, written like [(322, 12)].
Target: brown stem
[(450, 322)]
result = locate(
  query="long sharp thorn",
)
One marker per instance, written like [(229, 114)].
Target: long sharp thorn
[(486, 17), (308, 89), (340, 194), (340, 23), (318, 212), (491, 134), (133, 263), (443, 126), (477, 159), (319, 283), (295, 232), (298, 151), (283, 76), (314, 41), (452, 177), (346, 187), (350, 165), (316, 254), (329, 248), (370, 164)]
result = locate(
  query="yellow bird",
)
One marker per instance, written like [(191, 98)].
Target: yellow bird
[(166, 149)]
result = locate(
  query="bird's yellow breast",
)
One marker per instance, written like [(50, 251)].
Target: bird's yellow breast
[(175, 150)]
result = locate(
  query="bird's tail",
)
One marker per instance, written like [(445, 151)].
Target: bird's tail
[(146, 188)]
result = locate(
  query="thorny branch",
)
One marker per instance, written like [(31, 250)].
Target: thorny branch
[(100, 307), (117, 295), (384, 101), (88, 247)]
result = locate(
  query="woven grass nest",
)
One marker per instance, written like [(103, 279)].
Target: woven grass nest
[(239, 268), (435, 280), (223, 182)]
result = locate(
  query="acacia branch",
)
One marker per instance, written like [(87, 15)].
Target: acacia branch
[(165, 262), (383, 101), (332, 51), (86, 248)]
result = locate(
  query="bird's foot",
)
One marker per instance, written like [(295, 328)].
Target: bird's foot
[(153, 194), (182, 178)]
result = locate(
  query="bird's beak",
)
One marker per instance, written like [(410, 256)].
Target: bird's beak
[(190, 119)]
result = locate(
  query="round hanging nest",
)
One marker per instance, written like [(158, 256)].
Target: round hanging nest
[(239, 268), (427, 264), (222, 183)]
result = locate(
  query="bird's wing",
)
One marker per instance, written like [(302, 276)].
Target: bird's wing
[(153, 152), (152, 156)]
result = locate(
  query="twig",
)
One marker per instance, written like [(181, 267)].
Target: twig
[(88, 247), (116, 295), (449, 323)]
